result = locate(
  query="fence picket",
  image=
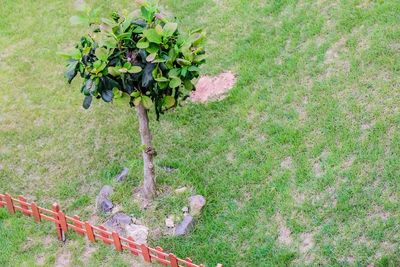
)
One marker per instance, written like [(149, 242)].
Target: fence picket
[(89, 232), (132, 246), (59, 230), (161, 255), (117, 241), (173, 260), (24, 206), (79, 225), (145, 253), (9, 204), (35, 212)]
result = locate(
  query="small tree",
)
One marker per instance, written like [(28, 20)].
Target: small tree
[(144, 58)]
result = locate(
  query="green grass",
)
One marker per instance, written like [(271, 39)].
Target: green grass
[(318, 81)]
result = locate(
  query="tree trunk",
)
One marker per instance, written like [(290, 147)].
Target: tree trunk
[(149, 186)]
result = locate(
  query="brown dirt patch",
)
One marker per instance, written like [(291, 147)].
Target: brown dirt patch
[(307, 242), (285, 235), (63, 259), (213, 87)]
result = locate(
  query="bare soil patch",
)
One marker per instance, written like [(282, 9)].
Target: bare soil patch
[(213, 87)]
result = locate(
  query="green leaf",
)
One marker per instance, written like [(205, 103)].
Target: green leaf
[(151, 57), (188, 85), (114, 71), (135, 69), (137, 101), (107, 95), (117, 93), (175, 82), (77, 20), (142, 44), (90, 87), (147, 103), (152, 36), (169, 29), (159, 29), (87, 101), (200, 58), (135, 94), (169, 101), (162, 79), (71, 70), (153, 48), (101, 53), (194, 68)]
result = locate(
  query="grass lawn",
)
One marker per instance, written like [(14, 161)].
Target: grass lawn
[(299, 164)]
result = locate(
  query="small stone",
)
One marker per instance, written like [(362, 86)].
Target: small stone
[(169, 222), (184, 226), (185, 210), (168, 169), (121, 177), (106, 191), (102, 201), (106, 205), (196, 204), (181, 190), (117, 221), (138, 232)]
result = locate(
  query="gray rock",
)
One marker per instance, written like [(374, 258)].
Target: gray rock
[(169, 222), (196, 204), (118, 219), (106, 191), (102, 200), (184, 226), (138, 232), (121, 177), (168, 169)]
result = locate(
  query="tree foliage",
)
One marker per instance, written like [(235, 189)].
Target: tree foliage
[(144, 57)]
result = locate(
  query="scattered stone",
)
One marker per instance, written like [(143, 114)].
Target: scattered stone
[(168, 169), (181, 190), (184, 226), (121, 177), (118, 219), (169, 222), (185, 210), (196, 204), (138, 232), (213, 87), (102, 200)]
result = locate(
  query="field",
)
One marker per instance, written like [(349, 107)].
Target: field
[(299, 164)]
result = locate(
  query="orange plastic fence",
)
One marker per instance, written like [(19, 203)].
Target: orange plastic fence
[(64, 223)]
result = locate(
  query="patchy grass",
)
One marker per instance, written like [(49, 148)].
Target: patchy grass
[(299, 164)]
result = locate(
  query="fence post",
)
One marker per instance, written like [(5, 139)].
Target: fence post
[(24, 206), (117, 241), (132, 246), (146, 253), (160, 255), (173, 260), (9, 203), (60, 232), (189, 260), (79, 225), (35, 212), (89, 232)]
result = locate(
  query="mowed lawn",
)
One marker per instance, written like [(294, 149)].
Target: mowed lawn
[(300, 164)]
